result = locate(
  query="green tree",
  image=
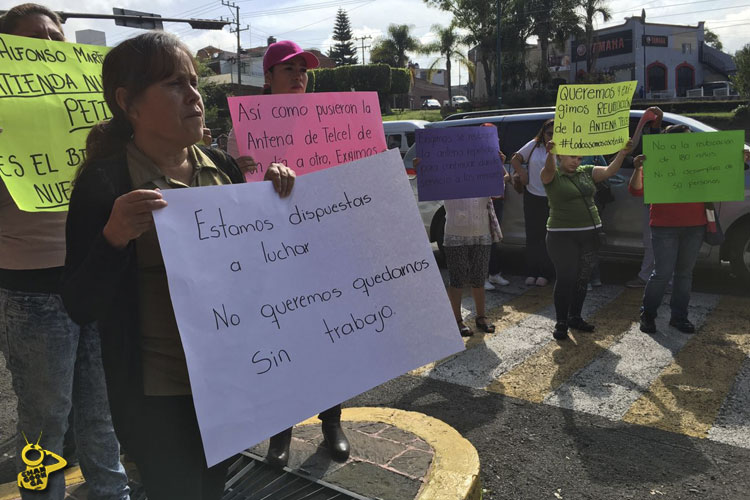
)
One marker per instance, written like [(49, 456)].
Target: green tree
[(712, 39), (392, 49), (215, 103), (479, 18), (447, 45), (343, 52), (591, 9), (552, 21), (741, 79)]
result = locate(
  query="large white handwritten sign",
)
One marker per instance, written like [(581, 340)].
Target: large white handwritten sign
[(287, 307)]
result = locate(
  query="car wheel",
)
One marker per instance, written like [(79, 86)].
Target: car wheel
[(437, 230), (739, 252)]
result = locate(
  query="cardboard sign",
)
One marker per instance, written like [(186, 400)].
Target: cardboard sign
[(50, 96), (287, 307), (307, 132), (458, 162), (694, 167), (592, 119)]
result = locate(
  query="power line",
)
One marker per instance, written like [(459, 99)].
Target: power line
[(302, 8), (362, 39)]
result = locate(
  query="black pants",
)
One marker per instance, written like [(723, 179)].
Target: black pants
[(535, 214), (168, 451), (495, 252), (572, 253)]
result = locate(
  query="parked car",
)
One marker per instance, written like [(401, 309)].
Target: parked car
[(458, 101), (430, 104), (399, 134), (621, 219)]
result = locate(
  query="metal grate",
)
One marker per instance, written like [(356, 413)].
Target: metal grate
[(251, 478)]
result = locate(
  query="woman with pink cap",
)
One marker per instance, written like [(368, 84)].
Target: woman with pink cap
[(285, 67)]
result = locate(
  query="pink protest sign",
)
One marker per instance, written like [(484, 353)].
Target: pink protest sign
[(307, 132)]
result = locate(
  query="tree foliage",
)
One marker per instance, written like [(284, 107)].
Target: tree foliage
[(447, 44), (741, 79), (712, 39), (552, 21), (216, 106), (392, 49), (343, 51), (367, 77), (479, 19)]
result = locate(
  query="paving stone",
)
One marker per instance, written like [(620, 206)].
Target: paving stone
[(374, 482), (311, 433), (396, 434), (367, 427), (420, 445), (372, 449), (414, 463)]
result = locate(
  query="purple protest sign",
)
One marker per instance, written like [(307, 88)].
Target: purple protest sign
[(459, 162)]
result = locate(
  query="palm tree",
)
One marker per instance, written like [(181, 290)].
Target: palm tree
[(552, 21), (591, 9), (392, 49), (446, 45)]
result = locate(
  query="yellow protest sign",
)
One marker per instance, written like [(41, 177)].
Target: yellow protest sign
[(50, 96), (592, 119)]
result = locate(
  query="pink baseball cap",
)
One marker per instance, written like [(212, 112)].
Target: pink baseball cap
[(284, 50)]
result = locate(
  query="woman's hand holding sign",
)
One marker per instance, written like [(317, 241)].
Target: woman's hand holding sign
[(131, 216), (282, 178)]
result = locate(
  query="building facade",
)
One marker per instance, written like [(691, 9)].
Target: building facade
[(667, 60)]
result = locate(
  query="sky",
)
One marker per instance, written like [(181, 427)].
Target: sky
[(310, 22)]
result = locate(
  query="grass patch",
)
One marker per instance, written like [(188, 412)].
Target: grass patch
[(431, 115), (721, 115)]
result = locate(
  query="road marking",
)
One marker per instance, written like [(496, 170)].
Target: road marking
[(621, 374), (698, 385), (503, 316), (688, 394), (732, 426), (556, 362)]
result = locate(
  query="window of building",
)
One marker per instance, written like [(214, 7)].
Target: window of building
[(687, 48)]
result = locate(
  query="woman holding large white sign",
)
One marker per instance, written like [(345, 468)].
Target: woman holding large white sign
[(115, 273), (55, 364)]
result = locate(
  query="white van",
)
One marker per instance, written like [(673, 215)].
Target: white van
[(400, 134)]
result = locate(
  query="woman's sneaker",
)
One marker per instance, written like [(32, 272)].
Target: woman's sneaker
[(488, 286), (497, 279), (530, 281)]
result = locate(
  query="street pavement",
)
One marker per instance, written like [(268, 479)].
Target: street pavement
[(614, 414), (606, 415)]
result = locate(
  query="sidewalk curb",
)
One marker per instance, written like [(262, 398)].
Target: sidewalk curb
[(454, 474)]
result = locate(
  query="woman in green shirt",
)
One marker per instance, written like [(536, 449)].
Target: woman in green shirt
[(572, 230)]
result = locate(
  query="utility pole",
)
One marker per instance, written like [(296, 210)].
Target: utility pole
[(237, 30), (499, 58), (362, 39)]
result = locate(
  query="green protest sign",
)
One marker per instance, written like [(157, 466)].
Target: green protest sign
[(683, 168), (592, 119), (50, 96)]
